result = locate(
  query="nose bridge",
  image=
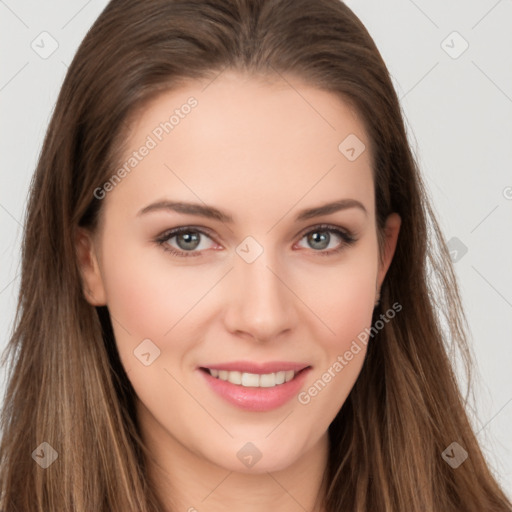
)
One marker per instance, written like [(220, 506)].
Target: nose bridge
[(260, 303)]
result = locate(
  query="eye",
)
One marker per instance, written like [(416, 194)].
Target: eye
[(188, 239), (320, 237)]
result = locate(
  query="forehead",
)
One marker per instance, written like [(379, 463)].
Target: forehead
[(259, 144)]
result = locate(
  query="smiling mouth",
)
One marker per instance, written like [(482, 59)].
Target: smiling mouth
[(254, 380)]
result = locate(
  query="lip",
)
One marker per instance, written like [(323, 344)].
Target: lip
[(258, 368), (254, 398)]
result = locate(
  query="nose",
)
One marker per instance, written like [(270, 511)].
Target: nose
[(260, 303)]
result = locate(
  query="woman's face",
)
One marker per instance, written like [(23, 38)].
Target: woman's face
[(255, 288)]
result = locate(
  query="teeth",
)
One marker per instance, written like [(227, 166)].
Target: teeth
[(235, 377), (254, 380), (280, 377), (267, 380)]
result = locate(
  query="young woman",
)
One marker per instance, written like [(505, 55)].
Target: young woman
[(233, 287)]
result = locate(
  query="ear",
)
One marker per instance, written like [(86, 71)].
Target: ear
[(391, 230), (92, 281)]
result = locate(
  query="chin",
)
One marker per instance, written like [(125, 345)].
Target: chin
[(257, 457)]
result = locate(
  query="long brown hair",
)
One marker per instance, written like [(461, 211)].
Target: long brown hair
[(66, 385)]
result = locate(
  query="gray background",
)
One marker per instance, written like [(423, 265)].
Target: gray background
[(458, 107)]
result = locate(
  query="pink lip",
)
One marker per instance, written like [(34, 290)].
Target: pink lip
[(257, 399), (259, 368)]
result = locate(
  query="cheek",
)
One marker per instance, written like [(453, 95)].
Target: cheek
[(146, 290), (137, 294), (344, 295), (346, 307), (344, 352), (152, 297), (348, 312)]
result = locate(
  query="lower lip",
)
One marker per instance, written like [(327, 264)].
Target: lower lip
[(256, 399)]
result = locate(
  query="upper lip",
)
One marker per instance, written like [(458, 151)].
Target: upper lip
[(258, 368)]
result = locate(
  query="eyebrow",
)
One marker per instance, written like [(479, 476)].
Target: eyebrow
[(216, 214)]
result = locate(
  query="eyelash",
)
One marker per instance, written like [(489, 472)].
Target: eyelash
[(347, 237)]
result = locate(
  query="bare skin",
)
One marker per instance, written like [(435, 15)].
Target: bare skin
[(262, 153)]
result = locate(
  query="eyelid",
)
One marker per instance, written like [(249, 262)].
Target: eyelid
[(327, 227)]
